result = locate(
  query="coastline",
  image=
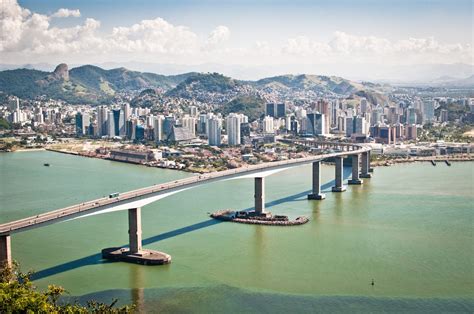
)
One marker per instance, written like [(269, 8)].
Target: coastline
[(374, 163)]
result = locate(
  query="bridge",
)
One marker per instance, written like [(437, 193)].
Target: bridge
[(134, 200)]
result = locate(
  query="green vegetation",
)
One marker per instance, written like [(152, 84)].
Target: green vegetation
[(318, 83), (4, 124), (204, 82), (449, 133), (455, 110), (85, 84), (251, 106), (18, 295)]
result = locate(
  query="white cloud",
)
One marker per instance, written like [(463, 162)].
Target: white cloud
[(153, 36), (219, 35), (26, 37), (354, 48), (67, 13)]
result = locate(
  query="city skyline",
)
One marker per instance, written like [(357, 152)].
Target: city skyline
[(242, 39)]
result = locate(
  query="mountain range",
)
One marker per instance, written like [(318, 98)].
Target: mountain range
[(92, 84)]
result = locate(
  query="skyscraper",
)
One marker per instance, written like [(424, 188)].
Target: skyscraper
[(214, 131), (158, 128), (102, 115), (233, 129), (316, 124), (280, 110), (110, 124), (270, 110)]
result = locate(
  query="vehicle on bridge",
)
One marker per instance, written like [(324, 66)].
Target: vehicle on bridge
[(113, 195)]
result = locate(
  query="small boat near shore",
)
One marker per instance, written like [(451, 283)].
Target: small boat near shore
[(46, 164)]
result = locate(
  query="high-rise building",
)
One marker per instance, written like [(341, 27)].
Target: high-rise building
[(316, 124), (158, 128), (443, 115), (411, 115), (118, 121), (189, 122), (102, 115), (126, 112), (360, 126), (110, 124), (363, 105), (168, 125), (280, 110), (139, 132), (428, 111), (270, 110), (214, 131), (349, 126), (233, 122), (267, 124), (81, 125), (410, 132), (324, 108)]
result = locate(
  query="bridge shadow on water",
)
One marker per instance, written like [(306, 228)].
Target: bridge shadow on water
[(95, 259)]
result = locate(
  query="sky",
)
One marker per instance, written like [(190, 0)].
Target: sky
[(285, 36)]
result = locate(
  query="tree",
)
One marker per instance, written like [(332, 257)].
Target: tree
[(18, 295)]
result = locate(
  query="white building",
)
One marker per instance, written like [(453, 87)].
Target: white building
[(233, 122), (214, 131)]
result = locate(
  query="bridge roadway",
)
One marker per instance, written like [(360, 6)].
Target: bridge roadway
[(140, 197)]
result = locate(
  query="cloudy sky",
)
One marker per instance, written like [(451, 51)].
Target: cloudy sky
[(284, 35)]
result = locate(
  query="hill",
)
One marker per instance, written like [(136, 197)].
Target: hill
[(251, 106), (85, 84), (213, 87), (316, 83)]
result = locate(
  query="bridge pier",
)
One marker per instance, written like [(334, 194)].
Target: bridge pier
[(365, 165), (355, 171), (135, 253), (5, 251), (259, 195), (339, 187), (316, 195), (135, 230)]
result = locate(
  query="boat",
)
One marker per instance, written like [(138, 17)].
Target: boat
[(447, 162), (46, 165), (433, 162)]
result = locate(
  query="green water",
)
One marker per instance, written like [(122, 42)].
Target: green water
[(410, 228)]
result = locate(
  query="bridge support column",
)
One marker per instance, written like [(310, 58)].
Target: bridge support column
[(316, 195), (259, 195), (339, 187), (355, 171), (135, 230), (365, 166), (5, 251), (370, 154)]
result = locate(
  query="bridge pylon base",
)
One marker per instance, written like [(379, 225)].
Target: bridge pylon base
[(143, 257), (355, 182), (365, 175), (316, 196), (339, 188)]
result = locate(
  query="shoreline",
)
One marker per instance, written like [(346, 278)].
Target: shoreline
[(375, 163)]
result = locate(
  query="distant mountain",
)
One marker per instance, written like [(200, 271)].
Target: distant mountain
[(84, 84), (317, 83), (92, 84), (454, 82)]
